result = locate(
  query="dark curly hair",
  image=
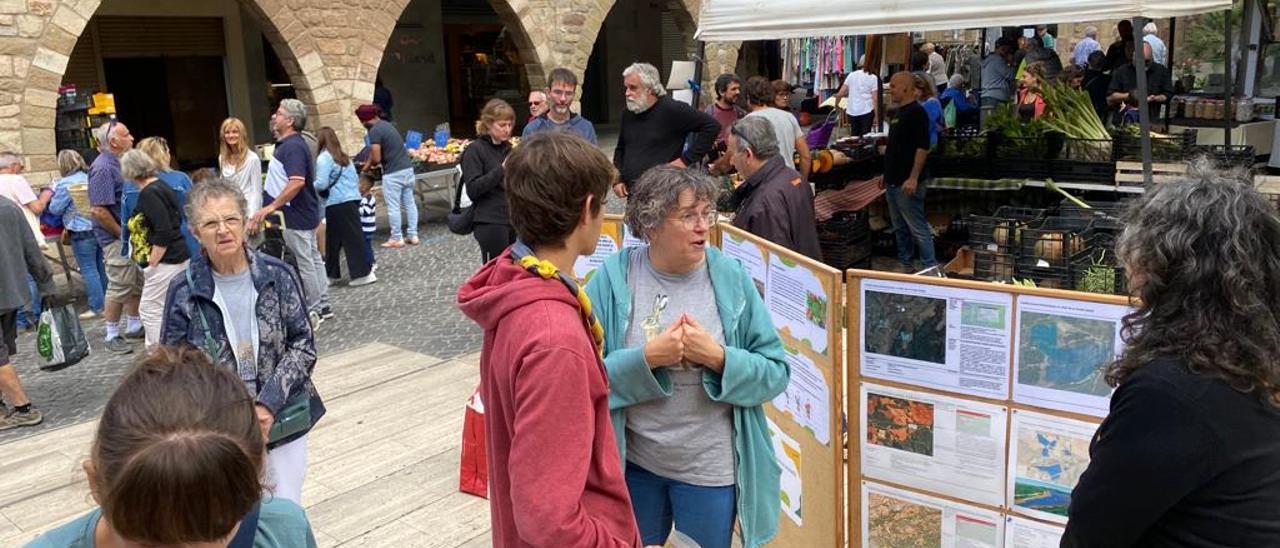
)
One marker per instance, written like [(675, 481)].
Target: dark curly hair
[(1203, 263)]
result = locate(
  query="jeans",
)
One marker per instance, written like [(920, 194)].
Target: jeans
[(89, 258), (30, 317), (368, 249), (910, 225), (315, 285), (705, 514), (397, 190)]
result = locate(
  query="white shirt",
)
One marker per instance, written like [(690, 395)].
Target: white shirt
[(862, 92), (937, 68), (786, 128), (1158, 52), (16, 189), (248, 178)]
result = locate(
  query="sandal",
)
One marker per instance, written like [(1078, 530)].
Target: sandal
[(393, 244)]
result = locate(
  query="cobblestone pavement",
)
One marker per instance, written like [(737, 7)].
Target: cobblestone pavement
[(411, 306)]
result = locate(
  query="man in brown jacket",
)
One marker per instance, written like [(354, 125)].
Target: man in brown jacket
[(773, 202)]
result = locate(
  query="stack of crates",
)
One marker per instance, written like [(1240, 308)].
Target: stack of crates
[(845, 240), (995, 241)]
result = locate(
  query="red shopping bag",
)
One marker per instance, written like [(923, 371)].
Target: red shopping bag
[(474, 474)]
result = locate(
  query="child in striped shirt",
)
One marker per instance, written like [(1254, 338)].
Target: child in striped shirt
[(368, 216)]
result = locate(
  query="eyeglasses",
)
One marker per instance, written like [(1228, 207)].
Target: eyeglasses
[(232, 223), (690, 219)]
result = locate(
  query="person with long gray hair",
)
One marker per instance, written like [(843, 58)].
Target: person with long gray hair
[(692, 355), (656, 127), (1190, 452), (156, 243), (290, 189), (246, 311)]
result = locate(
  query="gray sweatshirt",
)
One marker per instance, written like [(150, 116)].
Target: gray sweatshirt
[(19, 255)]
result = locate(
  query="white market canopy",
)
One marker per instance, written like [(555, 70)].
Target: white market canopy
[(732, 20)]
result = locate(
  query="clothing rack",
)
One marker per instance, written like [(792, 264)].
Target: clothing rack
[(820, 63)]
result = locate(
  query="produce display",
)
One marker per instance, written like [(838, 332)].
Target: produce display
[(429, 153)]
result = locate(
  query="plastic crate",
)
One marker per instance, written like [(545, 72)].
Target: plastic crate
[(1019, 148), (1087, 150), (1048, 277), (1098, 271), (1036, 169), (1079, 171), (845, 225), (1054, 242), (999, 232), (993, 266), (1235, 156), (1178, 147), (846, 254)]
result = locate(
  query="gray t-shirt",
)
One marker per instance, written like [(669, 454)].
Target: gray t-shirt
[(236, 296), (685, 437), (786, 128), (394, 157)]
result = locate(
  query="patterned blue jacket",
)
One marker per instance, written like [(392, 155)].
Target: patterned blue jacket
[(286, 345)]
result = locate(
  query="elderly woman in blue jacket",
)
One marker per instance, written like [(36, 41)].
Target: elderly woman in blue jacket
[(246, 311), (692, 356)]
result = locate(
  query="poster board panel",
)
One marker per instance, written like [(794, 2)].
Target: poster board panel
[(805, 299), (1027, 416)]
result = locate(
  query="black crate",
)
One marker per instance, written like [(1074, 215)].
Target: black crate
[(1079, 171), (999, 232), (1087, 150), (1235, 156), (1178, 147), (960, 167), (1022, 148), (842, 255), (884, 243), (1051, 277), (993, 266), (845, 225), (1053, 242), (1022, 168), (1098, 271)]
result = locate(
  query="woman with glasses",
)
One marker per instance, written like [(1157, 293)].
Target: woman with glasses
[(692, 356), (246, 311), (773, 201)]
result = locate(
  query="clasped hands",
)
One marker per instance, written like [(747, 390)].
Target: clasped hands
[(684, 340)]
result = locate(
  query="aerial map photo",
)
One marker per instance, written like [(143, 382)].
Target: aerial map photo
[(897, 523), (1065, 353), (906, 326), (1047, 469), (899, 423)]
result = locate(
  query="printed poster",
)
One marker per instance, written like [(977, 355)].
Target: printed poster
[(896, 518), (1021, 532), (807, 398), (936, 443), (1047, 455), (787, 452), (585, 266), (797, 302), (944, 338), (752, 257), (1062, 351), (629, 239)]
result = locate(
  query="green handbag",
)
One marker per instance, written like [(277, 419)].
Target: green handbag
[(293, 418)]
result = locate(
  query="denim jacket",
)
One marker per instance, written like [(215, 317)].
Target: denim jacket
[(64, 206), (286, 345), (755, 372), (341, 182)]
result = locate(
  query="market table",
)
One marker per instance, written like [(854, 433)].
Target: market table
[(1259, 133), (435, 187)]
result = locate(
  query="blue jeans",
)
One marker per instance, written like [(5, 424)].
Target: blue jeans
[(30, 317), (705, 514), (368, 248), (910, 225), (397, 190), (89, 258)]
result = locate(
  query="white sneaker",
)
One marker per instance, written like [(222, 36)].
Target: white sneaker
[(366, 280), (88, 315)]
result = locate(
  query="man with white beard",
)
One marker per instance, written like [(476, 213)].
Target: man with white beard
[(656, 127)]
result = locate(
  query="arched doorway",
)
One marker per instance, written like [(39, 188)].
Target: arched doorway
[(446, 58), (634, 31), (176, 70)]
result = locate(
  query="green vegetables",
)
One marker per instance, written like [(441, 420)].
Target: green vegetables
[(1098, 278)]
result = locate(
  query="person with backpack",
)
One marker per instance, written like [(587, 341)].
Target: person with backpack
[(78, 231)]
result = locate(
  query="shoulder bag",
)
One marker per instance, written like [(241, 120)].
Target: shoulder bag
[(461, 220), (293, 419)]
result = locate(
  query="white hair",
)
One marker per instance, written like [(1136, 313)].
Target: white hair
[(1150, 28), (296, 111), (1091, 31), (8, 160), (649, 77), (100, 134)]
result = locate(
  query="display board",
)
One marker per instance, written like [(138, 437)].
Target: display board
[(804, 298), (613, 237), (974, 405)]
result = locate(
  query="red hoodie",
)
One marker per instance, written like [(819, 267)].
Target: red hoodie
[(555, 477)]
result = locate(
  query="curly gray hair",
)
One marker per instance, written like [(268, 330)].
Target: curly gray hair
[(200, 194), (136, 165), (657, 194), (648, 76), (296, 111)]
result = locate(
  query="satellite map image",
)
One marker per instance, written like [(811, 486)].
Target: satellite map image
[(906, 326), (1065, 353), (896, 523), (1048, 467), (899, 423)]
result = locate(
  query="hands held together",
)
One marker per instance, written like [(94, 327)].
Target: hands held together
[(684, 340)]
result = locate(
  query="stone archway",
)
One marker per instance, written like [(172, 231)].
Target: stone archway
[(32, 65)]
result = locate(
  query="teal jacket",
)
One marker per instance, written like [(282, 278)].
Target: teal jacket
[(754, 372)]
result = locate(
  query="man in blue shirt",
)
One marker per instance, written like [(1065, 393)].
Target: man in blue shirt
[(290, 189), (564, 86), (124, 278)]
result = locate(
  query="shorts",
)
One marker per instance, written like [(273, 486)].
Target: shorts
[(124, 278), (8, 335)]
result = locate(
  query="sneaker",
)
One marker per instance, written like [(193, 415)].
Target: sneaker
[(393, 244), (314, 319), (326, 313), (15, 419), (88, 315), (366, 280), (135, 335), (412, 240), (373, 267), (118, 346)]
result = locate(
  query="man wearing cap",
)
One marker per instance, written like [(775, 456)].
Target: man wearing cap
[(386, 149)]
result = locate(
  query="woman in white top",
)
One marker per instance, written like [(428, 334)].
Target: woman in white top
[(238, 163)]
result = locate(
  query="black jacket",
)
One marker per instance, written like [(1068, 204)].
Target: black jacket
[(482, 175), (657, 136), (776, 204)]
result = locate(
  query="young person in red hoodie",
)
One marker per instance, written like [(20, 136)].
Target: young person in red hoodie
[(555, 477)]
